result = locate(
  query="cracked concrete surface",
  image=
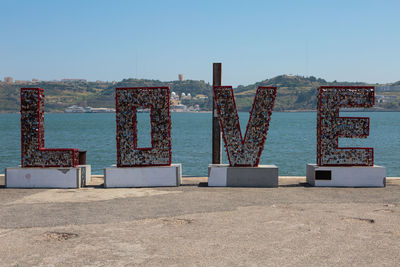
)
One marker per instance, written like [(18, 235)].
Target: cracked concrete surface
[(293, 225)]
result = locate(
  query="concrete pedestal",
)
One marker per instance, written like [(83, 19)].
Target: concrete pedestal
[(17, 177), (86, 174), (369, 176), (143, 176), (261, 176)]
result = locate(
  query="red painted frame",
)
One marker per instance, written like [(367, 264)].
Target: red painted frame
[(40, 148), (134, 130), (247, 127), (319, 152)]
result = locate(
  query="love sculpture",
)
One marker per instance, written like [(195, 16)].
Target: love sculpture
[(343, 166), (151, 166)]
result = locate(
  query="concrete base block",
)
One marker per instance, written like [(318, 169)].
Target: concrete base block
[(354, 176), (17, 177), (143, 176), (86, 174), (261, 176)]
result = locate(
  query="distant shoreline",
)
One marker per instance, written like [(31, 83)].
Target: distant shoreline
[(208, 111)]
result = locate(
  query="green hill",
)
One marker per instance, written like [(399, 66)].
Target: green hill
[(294, 93), (60, 95)]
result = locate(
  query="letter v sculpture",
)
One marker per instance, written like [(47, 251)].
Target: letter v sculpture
[(244, 153)]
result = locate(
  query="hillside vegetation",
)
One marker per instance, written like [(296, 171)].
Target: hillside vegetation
[(294, 93), (60, 95)]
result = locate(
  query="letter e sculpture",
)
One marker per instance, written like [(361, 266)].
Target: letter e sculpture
[(331, 127), (344, 166)]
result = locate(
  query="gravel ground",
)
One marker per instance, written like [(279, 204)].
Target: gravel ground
[(293, 225)]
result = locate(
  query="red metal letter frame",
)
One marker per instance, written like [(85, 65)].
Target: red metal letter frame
[(330, 127), (244, 152), (33, 153)]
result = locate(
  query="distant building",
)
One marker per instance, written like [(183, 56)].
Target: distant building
[(78, 109), (35, 80), (174, 96), (179, 108), (75, 109), (180, 77), (387, 88), (174, 102), (385, 98), (8, 80), (186, 96), (201, 97), (22, 82), (102, 110)]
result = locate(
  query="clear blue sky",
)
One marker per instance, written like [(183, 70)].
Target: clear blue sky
[(254, 40)]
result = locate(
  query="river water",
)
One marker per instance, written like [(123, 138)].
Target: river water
[(290, 144)]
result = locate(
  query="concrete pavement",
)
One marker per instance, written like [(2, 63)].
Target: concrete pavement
[(293, 225)]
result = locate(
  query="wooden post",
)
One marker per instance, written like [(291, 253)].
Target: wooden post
[(216, 131)]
